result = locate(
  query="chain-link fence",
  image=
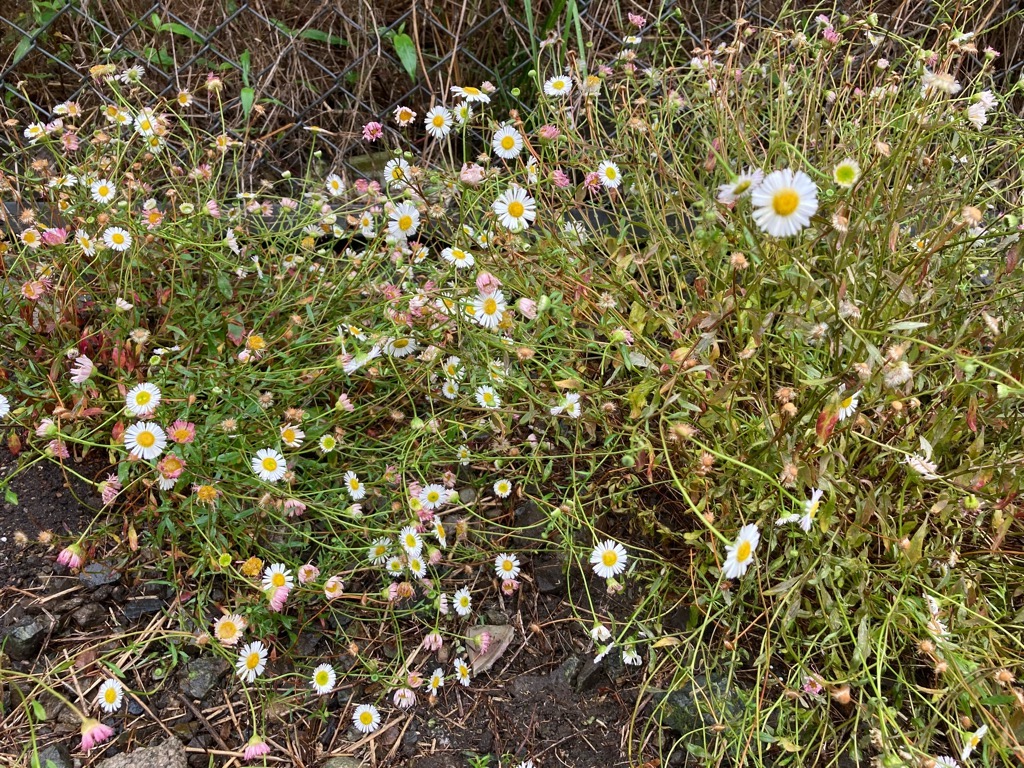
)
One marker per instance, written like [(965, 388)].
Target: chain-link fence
[(293, 64)]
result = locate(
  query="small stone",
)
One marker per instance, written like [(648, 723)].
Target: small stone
[(567, 671), (200, 675), (97, 574), (343, 762), (467, 495), (700, 704), (55, 756), (591, 674), (25, 638), (169, 754), (549, 575), (89, 615), (137, 607)]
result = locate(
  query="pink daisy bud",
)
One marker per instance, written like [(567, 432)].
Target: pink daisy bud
[(414, 679), (484, 641), (549, 132), (487, 283), (509, 587), (345, 403), (308, 573), (373, 131), (636, 20), (70, 141), (528, 308), (404, 698), (487, 86), (58, 449), (434, 556), (278, 599), (471, 174), (561, 180), (46, 428), (94, 732), (55, 236), (109, 489), (256, 747), (294, 507), (433, 642), (213, 208), (71, 556)]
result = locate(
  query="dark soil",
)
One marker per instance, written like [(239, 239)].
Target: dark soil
[(544, 700), (50, 501)]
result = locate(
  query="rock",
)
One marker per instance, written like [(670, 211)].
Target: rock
[(591, 674), (137, 607), (24, 639), (342, 762), (567, 671), (701, 703), (89, 615), (200, 675), (97, 574), (55, 756), (169, 754), (549, 575), (467, 495)]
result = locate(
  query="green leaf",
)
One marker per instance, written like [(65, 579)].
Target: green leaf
[(917, 544), (183, 31), (23, 48), (38, 711), (247, 96), (10, 496), (322, 37), (406, 50), (245, 60), (224, 284)]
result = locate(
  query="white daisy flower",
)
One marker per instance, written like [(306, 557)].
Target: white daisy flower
[(404, 698), (145, 440), (366, 225), (463, 602), (846, 172), (630, 657), (438, 122), (507, 142), (450, 389), (269, 465), (327, 443), (403, 220), (744, 184), (811, 506), (608, 173), (471, 94), (973, 741), (433, 496), (463, 113), (436, 681), (569, 405), (396, 173), (416, 566), (292, 436), (5, 406), (252, 660), (848, 405), (502, 488), (515, 209), (395, 566), (462, 671), (142, 398), (354, 486), (488, 309), (609, 559), (378, 553), (460, 258), (945, 761), (411, 540), (453, 367), (323, 679), (110, 695), (559, 85), (506, 566), (103, 191), (228, 629), (400, 347), (117, 238), (740, 554), (366, 718), (487, 397), (85, 242), (784, 203), (335, 185), (276, 576)]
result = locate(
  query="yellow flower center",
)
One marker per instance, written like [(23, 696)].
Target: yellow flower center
[(609, 558), (507, 565), (353, 484), (256, 342), (143, 397), (110, 695), (228, 630), (144, 125), (288, 435), (847, 402), (610, 173), (743, 552), (405, 222), (103, 191), (366, 717), (269, 464), (405, 115), (322, 677), (171, 465), (277, 580), (145, 439), (507, 142), (438, 121), (844, 174), (471, 91), (401, 343), (118, 238), (516, 209), (742, 187), (488, 398), (397, 173), (206, 493), (490, 306), (785, 201), (252, 660)]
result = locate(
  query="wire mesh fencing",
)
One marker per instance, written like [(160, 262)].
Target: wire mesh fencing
[(289, 66)]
